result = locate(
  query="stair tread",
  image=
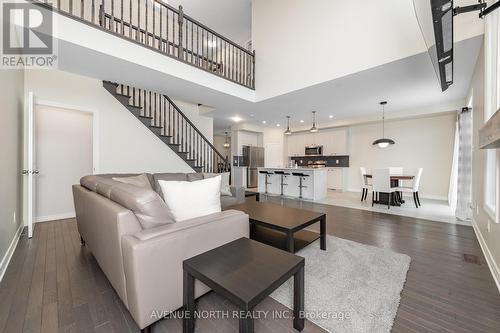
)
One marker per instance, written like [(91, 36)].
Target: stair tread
[(145, 117), (134, 106), (165, 136), (154, 126), (120, 94)]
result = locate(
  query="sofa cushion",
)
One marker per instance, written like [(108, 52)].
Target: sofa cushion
[(146, 204), (167, 177), (140, 180), (194, 176), (150, 209), (186, 200), (228, 201), (225, 188)]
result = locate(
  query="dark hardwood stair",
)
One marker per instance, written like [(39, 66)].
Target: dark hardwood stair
[(165, 120)]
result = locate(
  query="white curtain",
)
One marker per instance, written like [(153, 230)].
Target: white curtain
[(464, 175)]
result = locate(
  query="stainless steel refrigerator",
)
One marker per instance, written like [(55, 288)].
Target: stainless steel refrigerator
[(253, 158)]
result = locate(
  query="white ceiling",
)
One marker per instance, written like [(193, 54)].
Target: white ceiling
[(407, 84), (231, 18)]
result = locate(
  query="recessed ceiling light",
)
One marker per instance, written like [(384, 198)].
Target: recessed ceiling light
[(236, 119), (252, 115), (263, 121), (330, 116), (278, 125), (301, 121)]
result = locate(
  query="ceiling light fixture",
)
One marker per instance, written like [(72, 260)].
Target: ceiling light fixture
[(314, 129), (278, 125), (288, 132), (384, 142), (226, 143), (236, 119), (301, 121), (330, 116), (263, 121)]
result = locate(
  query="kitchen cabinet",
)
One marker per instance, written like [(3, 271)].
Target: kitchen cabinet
[(334, 142), (334, 178)]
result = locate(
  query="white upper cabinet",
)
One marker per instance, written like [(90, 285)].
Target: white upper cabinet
[(334, 142)]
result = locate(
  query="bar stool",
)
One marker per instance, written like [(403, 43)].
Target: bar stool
[(302, 176), (267, 173), (283, 175)]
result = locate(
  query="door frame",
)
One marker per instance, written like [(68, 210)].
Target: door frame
[(95, 140)]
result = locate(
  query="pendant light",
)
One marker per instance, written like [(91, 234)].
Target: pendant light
[(384, 142), (226, 143), (288, 132), (314, 129)]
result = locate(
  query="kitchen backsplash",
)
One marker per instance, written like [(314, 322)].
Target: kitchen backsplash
[(331, 161)]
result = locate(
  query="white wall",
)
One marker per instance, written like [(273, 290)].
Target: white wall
[(64, 154), (420, 143), (11, 129), (299, 43), (125, 145), (487, 231), (219, 141)]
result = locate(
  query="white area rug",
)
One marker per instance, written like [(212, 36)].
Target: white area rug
[(350, 287)]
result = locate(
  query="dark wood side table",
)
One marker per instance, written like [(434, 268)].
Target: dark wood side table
[(277, 225), (244, 272)]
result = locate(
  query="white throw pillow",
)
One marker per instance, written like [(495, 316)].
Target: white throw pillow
[(225, 188), (187, 200)]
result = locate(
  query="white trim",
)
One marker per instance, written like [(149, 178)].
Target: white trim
[(495, 271), (10, 251), (95, 126), (55, 217)]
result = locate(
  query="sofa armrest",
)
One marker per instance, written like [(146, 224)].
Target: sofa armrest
[(153, 259), (238, 192)]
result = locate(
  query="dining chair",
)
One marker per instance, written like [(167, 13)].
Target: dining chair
[(414, 188), (381, 182), (364, 183), (397, 171)]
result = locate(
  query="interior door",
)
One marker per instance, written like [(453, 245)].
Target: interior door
[(31, 171)]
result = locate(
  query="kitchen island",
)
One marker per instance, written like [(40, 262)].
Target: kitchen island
[(315, 184)]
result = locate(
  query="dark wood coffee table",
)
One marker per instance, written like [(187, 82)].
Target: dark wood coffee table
[(282, 226), (244, 272)]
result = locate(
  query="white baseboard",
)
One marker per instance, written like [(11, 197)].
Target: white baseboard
[(10, 251), (54, 217), (495, 271)]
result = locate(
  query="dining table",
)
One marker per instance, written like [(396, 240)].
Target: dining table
[(382, 198)]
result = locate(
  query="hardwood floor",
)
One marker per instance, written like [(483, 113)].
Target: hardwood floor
[(54, 285)]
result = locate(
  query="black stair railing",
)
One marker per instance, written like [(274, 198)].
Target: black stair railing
[(161, 27), (175, 129)]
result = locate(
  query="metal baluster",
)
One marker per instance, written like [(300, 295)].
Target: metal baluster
[(181, 22), (130, 21), (154, 23), (168, 45), (146, 37), (161, 31), (192, 42), (138, 32), (122, 26), (253, 70)]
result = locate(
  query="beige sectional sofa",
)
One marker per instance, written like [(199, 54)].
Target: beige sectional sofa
[(138, 245)]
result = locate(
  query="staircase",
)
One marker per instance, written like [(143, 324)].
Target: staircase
[(160, 114)]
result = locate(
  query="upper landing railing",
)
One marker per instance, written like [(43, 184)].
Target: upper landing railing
[(168, 30)]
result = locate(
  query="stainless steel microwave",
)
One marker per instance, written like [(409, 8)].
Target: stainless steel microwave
[(314, 150)]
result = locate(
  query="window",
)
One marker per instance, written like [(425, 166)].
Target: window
[(491, 105), (490, 183)]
